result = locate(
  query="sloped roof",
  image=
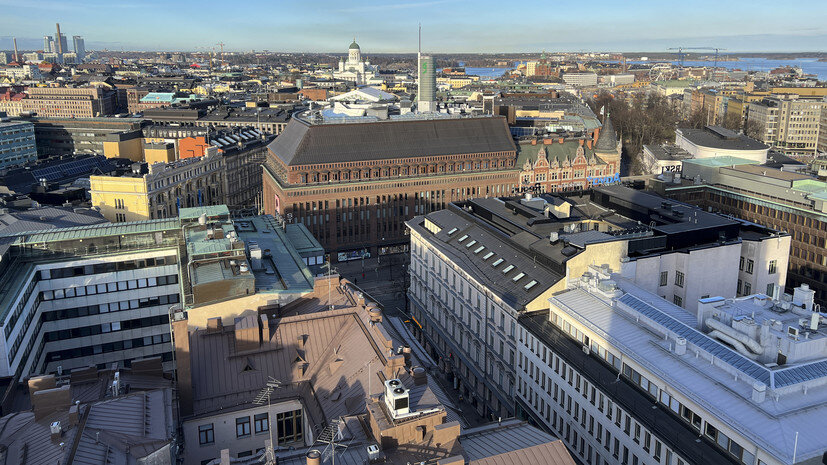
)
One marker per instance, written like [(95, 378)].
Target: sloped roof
[(302, 143), (554, 151), (607, 140), (37, 219)]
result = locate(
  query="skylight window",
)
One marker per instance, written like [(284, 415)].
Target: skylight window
[(470, 244), (530, 285), (452, 231), (497, 263), (479, 249), (488, 255), (518, 277), (463, 238), (508, 268)]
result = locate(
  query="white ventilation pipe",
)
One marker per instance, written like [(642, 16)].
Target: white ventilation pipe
[(744, 339), (741, 348)]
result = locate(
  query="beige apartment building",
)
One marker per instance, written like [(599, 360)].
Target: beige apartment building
[(788, 122), (70, 102), (162, 191)]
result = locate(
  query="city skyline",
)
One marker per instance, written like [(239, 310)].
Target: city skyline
[(449, 26)]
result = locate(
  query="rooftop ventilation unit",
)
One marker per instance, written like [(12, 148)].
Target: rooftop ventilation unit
[(397, 398)]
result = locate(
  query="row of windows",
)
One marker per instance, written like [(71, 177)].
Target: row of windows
[(578, 414), (645, 384), (114, 286), (289, 427), (103, 328), (109, 267), (89, 351)]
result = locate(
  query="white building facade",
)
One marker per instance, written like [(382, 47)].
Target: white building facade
[(625, 377)]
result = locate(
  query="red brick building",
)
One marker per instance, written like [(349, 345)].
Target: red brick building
[(556, 165), (355, 184)]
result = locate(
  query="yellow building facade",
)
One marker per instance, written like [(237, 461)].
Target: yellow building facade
[(120, 198)]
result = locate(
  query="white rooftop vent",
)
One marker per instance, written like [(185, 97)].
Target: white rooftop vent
[(397, 398), (508, 268), (465, 236), (373, 452), (54, 428), (497, 262), (452, 231), (488, 255), (470, 244), (479, 249), (518, 277)]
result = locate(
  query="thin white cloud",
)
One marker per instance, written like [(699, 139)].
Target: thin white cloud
[(394, 6)]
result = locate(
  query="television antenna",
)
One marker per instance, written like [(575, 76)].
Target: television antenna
[(329, 437), (271, 385)]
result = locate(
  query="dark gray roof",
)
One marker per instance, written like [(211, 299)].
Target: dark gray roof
[(37, 219), (607, 140), (721, 138), (302, 143), (509, 254), (667, 152)]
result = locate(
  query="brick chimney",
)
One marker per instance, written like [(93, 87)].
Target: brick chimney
[(183, 365), (247, 333)]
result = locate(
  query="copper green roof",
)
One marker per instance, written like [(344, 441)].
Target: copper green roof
[(354, 45)]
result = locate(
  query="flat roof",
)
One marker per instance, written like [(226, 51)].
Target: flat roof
[(722, 138), (772, 424), (713, 162), (284, 270), (771, 172), (302, 240)]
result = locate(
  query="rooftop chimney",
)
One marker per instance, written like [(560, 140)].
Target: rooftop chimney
[(55, 430), (314, 457)]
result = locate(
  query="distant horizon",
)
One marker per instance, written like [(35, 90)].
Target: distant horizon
[(364, 53), (448, 26)]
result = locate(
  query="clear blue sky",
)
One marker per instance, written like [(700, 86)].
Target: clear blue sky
[(447, 25)]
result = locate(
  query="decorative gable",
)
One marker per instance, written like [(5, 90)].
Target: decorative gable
[(542, 161)]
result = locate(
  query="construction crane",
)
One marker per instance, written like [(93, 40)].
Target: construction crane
[(681, 55), (223, 63)]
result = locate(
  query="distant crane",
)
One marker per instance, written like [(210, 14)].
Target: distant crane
[(223, 63), (681, 55)]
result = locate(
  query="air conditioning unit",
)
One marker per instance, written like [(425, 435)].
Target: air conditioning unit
[(397, 398)]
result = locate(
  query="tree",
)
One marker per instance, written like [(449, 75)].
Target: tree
[(753, 129), (732, 121), (696, 120), (641, 120)]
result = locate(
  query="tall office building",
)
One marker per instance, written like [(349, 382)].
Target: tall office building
[(80, 48), (426, 98), (47, 44), (426, 80)]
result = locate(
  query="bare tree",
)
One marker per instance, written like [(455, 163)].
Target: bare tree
[(753, 129), (733, 121)]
